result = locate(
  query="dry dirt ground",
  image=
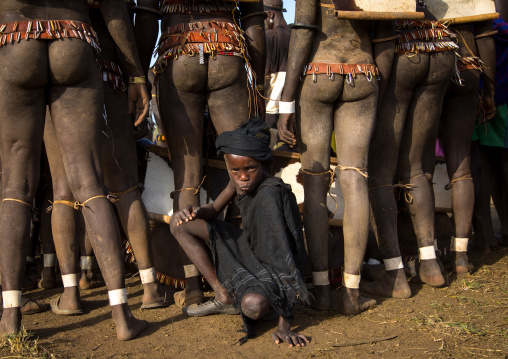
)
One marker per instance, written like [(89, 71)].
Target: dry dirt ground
[(466, 318)]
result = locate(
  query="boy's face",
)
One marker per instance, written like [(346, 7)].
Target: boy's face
[(246, 172)]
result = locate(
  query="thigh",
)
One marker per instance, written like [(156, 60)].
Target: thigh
[(314, 120), (229, 99), (76, 105), (23, 77), (119, 157)]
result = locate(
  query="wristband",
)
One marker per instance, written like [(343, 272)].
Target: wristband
[(286, 107), (137, 79)]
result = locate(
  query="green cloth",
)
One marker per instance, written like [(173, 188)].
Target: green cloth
[(494, 133)]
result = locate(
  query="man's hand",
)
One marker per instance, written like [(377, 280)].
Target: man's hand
[(489, 107), (187, 214), (286, 128), (135, 92)]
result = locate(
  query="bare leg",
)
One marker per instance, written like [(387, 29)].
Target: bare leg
[(83, 167), (21, 144)]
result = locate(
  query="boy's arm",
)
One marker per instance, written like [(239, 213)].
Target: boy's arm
[(253, 17), (117, 20), (285, 334), (208, 211), (487, 53), (299, 49)]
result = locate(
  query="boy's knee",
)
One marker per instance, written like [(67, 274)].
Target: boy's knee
[(254, 306)]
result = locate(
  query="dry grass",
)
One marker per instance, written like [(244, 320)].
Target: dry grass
[(22, 345)]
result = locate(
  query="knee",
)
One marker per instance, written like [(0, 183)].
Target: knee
[(254, 306)]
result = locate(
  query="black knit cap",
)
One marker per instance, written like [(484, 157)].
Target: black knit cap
[(252, 139)]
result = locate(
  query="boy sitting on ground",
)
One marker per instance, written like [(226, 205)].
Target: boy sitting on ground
[(257, 267)]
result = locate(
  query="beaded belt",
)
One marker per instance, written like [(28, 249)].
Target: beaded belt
[(349, 70), (211, 37), (216, 7), (111, 73), (48, 30), (469, 63), (423, 36)]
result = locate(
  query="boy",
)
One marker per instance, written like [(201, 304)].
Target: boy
[(257, 267)]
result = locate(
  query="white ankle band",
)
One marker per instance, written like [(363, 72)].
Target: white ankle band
[(70, 280), (117, 296), (428, 252), (86, 262), (351, 280), (436, 248), (459, 244), (147, 275), (393, 263), (49, 260), (373, 261), (30, 259), (11, 298), (190, 271), (320, 278)]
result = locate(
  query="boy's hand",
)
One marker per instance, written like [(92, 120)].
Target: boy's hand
[(284, 334), (187, 214)]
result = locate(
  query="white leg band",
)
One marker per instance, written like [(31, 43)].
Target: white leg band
[(320, 278), (373, 261), (86, 262), (147, 275), (30, 259), (351, 281), (49, 260), (286, 107), (117, 296), (393, 263), (11, 298), (459, 244), (190, 271), (70, 280), (428, 252), (436, 248)]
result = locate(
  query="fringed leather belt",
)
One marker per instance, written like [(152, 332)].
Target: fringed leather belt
[(197, 7), (470, 63), (111, 73), (211, 37), (48, 30), (423, 36), (349, 70)]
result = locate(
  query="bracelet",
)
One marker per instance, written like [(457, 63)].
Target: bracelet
[(147, 9), (286, 107), (305, 26), (137, 79)]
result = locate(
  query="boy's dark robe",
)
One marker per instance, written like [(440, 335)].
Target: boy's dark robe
[(266, 256)]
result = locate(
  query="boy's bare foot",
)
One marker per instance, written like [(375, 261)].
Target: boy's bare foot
[(353, 303), (68, 303), (127, 327), (430, 273), (462, 264), (11, 321), (393, 285)]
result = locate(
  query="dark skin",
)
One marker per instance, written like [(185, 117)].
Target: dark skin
[(413, 89), (322, 107), (458, 121), (40, 73), (187, 87), (189, 228), (120, 173)]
